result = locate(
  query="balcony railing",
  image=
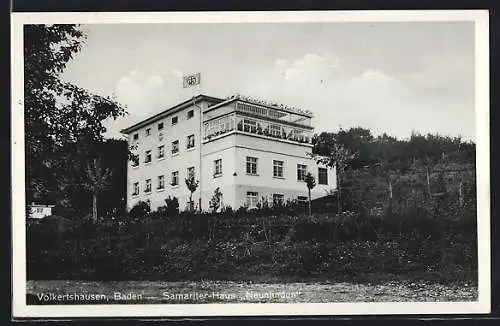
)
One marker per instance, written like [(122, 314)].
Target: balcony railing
[(275, 114), (262, 128)]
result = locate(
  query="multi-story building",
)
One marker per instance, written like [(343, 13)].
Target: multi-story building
[(249, 149)]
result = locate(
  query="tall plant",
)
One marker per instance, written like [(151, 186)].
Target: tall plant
[(338, 157), (97, 180), (192, 185), (61, 119), (310, 183)]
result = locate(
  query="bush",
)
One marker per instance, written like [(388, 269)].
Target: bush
[(140, 210), (172, 206), (242, 243)]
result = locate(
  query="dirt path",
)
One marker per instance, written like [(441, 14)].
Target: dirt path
[(77, 292)]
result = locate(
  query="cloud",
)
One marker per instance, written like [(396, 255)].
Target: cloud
[(372, 98), (145, 93)]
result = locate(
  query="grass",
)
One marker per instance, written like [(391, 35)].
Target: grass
[(160, 292)]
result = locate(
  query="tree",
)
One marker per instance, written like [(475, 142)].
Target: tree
[(62, 120), (98, 179), (214, 202), (113, 154), (192, 185), (310, 183), (335, 155)]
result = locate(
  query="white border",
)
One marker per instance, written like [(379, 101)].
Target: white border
[(19, 307)]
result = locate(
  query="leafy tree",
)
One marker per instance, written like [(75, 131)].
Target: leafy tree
[(98, 179), (215, 201), (113, 154), (192, 185), (310, 183), (357, 140), (62, 120), (335, 156)]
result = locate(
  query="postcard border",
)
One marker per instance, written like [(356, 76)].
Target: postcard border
[(483, 305)]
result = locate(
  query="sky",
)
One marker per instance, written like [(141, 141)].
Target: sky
[(393, 77)]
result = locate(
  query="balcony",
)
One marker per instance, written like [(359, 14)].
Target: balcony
[(277, 114), (265, 129)]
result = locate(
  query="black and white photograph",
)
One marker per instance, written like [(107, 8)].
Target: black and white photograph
[(250, 163)]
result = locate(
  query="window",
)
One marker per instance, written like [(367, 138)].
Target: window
[(175, 120), (190, 141), (217, 167), (175, 147), (39, 210), (275, 130), (249, 125), (175, 178), (251, 165), (136, 189), (160, 126), (190, 172), (302, 200), (322, 176), (148, 186), (161, 151), (278, 169), (135, 160), (251, 200), (161, 182), (278, 199), (220, 126), (190, 114), (148, 132), (301, 172), (136, 136), (147, 159)]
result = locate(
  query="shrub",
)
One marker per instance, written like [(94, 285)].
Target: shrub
[(172, 206), (215, 201), (140, 210)]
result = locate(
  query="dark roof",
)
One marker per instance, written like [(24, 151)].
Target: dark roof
[(170, 110)]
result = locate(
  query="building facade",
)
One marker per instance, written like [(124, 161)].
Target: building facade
[(252, 151)]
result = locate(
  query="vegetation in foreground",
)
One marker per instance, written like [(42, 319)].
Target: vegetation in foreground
[(273, 243)]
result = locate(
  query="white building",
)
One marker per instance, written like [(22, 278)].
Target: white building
[(40, 211), (248, 149)]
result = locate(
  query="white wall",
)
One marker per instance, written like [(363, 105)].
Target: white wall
[(222, 148), (180, 162), (264, 182)]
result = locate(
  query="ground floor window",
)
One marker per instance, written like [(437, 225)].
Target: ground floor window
[(251, 199), (302, 200), (322, 176), (278, 199)]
